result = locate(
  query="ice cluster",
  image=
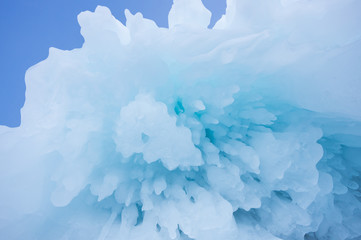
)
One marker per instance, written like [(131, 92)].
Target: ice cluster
[(248, 130)]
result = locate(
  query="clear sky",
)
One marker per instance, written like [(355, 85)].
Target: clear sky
[(29, 27)]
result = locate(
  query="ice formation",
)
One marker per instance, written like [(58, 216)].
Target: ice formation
[(249, 130)]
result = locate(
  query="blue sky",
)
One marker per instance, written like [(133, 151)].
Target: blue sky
[(29, 27)]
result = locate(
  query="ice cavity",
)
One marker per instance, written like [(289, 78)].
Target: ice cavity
[(250, 130)]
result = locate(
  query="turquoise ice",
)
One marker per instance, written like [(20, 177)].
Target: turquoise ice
[(249, 130)]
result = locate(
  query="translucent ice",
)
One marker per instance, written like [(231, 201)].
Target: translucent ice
[(250, 130)]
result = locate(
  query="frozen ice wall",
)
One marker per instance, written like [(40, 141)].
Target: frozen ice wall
[(250, 130)]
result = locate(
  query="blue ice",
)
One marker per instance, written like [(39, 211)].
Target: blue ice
[(249, 130)]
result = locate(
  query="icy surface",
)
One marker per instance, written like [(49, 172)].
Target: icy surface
[(250, 130)]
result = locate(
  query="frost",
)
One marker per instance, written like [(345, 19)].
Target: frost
[(249, 130)]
